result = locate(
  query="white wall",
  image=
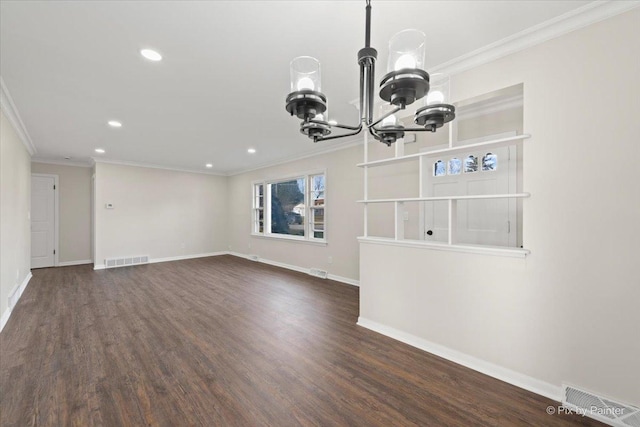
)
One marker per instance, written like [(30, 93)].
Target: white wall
[(74, 199), (15, 203), (343, 217), (569, 311), (160, 213)]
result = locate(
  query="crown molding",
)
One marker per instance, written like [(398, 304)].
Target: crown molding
[(43, 160), (10, 110), (97, 160), (350, 142), (578, 18)]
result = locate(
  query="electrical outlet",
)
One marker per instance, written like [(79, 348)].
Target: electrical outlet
[(183, 245), (249, 245), (330, 260), (406, 216)]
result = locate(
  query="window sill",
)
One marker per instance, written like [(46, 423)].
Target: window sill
[(316, 242), (466, 248)]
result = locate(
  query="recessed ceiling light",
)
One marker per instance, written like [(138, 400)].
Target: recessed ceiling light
[(151, 55), (114, 124), (209, 165), (251, 150), (100, 150)]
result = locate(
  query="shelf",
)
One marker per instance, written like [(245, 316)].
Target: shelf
[(439, 246), (431, 199), (496, 143)]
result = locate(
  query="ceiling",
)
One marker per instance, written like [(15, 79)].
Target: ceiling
[(72, 66)]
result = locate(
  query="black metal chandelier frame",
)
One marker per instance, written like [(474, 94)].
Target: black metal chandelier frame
[(400, 88)]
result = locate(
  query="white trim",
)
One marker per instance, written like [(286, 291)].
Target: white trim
[(289, 238), (9, 108), (333, 277), (56, 209), (578, 18), (183, 257), (154, 166), (471, 249), (70, 263), (507, 375), (61, 162), (438, 198), (348, 281), (16, 289), (494, 143), (99, 267)]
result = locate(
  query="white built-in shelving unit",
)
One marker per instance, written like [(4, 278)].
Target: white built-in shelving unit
[(452, 243)]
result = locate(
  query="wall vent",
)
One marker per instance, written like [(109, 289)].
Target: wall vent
[(126, 261), (600, 408), (253, 257), (318, 273)]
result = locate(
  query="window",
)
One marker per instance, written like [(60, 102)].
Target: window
[(439, 168), (291, 208), (455, 166), (471, 164), (489, 162)]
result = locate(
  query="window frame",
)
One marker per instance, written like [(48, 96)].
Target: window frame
[(308, 224)]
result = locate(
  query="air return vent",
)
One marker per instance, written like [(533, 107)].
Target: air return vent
[(600, 408), (126, 261), (318, 273)]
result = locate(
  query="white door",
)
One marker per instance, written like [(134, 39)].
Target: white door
[(43, 212), (486, 221)]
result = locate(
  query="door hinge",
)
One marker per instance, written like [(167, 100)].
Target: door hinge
[(54, 186), (508, 226), (54, 251)]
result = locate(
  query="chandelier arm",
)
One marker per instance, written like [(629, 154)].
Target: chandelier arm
[(341, 136), (395, 110), (427, 129), (337, 125)]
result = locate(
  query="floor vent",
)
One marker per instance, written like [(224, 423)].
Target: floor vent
[(253, 257), (318, 273), (126, 261), (600, 408)]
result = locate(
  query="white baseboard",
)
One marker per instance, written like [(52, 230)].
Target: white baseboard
[(70, 263), (167, 259), (17, 290), (348, 281), (334, 277), (512, 377), (182, 257)]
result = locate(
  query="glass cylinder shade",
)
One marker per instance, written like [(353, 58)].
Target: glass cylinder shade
[(391, 120), (305, 74), (439, 90), (407, 50)]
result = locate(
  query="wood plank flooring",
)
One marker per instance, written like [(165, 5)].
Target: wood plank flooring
[(223, 341)]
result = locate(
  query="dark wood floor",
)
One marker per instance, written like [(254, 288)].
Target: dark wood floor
[(223, 342)]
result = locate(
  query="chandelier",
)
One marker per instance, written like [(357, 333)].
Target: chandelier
[(405, 83)]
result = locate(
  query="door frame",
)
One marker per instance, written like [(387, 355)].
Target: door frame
[(56, 215), (512, 180)]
